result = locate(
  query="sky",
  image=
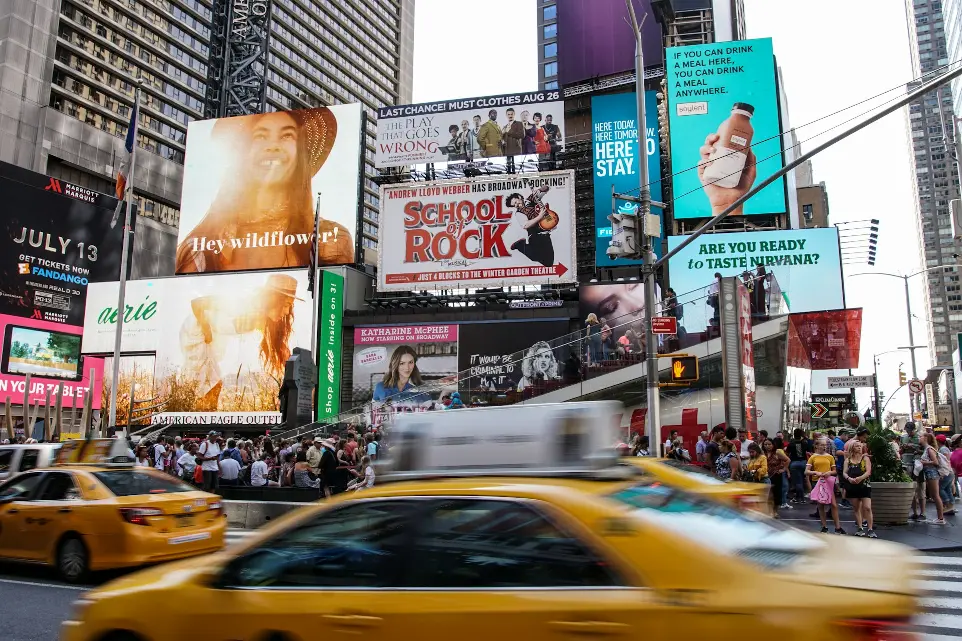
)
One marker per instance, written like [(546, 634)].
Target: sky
[(866, 176)]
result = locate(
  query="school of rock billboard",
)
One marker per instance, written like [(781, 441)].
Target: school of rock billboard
[(478, 232), (470, 129), (250, 184), (220, 340), (57, 238)]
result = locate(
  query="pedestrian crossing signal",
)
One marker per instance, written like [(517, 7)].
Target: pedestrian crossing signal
[(684, 369)]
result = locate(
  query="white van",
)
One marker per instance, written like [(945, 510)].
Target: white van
[(542, 437), (20, 458)]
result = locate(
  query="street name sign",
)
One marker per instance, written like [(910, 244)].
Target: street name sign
[(841, 382)]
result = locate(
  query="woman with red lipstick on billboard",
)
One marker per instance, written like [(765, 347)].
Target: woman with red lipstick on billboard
[(263, 215)]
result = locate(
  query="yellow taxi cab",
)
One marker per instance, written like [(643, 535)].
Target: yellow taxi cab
[(92, 510), (747, 496), (567, 544)]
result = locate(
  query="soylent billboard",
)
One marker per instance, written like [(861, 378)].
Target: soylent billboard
[(725, 127), (455, 130), (804, 263), (250, 184), (616, 161), (56, 240), (593, 39), (478, 232)]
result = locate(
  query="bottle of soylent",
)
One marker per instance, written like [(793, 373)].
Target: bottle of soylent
[(731, 150)]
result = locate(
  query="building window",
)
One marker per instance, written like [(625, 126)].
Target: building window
[(808, 211), (551, 85), (551, 69), (550, 13), (551, 50), (550, 31)]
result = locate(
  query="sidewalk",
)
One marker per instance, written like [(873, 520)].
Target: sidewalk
[(921, 536)]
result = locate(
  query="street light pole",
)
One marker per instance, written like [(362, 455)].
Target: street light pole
[(653, 426)]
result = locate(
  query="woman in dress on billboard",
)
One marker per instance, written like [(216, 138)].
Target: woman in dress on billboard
[(271, 160), (401, 379), (268, 311)]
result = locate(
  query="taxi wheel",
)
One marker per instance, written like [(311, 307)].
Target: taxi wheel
[(72, 559)]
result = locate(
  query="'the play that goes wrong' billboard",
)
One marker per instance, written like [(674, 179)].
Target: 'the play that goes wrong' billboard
[(725, 127), (616, 161)]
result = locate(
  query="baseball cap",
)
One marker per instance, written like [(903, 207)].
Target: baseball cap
[(212, 433), (940, 438), (861, 430)]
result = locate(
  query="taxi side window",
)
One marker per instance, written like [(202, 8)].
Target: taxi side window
[(6, 458), (20, 487), (58, 486), (28, 460), (475, 544), (361, 545)]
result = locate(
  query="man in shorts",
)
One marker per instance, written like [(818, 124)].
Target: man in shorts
[(911, 448)]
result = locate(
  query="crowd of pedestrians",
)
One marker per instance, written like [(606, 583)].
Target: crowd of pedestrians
[(826, 469), (331, 465)]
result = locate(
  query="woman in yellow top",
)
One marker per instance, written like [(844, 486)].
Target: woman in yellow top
[(821, 469), (756, 467)]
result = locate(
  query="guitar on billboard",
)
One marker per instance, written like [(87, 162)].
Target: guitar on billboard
[(550, 220)]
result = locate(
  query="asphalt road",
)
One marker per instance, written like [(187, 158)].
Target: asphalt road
[(33, 602)]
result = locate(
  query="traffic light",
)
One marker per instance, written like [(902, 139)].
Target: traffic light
[(902, 379), (623, 232), (684, 369)]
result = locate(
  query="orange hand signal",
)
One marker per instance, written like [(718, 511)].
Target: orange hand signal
[(679, 368)]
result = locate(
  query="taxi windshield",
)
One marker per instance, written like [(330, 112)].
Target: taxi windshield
[(703, 475), (723, 529), (134, 482)]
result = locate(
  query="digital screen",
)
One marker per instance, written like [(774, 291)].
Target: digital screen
[(41, 353)]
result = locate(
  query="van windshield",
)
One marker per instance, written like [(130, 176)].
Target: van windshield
[(724, 530)]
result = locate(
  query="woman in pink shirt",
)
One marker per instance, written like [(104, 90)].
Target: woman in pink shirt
[(955, 460)]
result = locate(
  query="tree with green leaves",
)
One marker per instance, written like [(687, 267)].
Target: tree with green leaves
[(886, 465)]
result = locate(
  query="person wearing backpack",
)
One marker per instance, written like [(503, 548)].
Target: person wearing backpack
[(209, 453), (932, 470)]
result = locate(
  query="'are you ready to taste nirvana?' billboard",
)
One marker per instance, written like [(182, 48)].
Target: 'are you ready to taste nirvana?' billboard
[(616, 163), (725, 126)]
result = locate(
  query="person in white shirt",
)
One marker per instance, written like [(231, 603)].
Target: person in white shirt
[(179, 451), (141, 457), (744, 442), (259, 473), (229, 471), (209, 450), (367, 480), (186, 463), (160, 454)]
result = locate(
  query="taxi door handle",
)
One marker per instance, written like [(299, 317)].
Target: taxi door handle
[(589, 628), (353, 620), (13, 510), (64, 510)]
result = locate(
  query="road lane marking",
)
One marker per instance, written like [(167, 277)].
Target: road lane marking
[(45, 585)]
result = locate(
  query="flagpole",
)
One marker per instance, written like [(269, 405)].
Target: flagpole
[(121, 296)]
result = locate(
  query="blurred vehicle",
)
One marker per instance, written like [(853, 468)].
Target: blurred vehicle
[(20, 458), (92, 510), (698, 480), (567, 543)]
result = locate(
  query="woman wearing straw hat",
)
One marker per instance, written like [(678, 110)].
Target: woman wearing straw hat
[(268, 310), (263, 214)]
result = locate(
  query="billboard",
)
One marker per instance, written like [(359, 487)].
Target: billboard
[(470, 128), (616, 161), (725, 127), (825, 340), (330, 316), (50, 353), (403, 368), (250, 184), (221, 340), (510, 356), (56, 239), (593, 39), (620, 305), (478, 232), (804, 264)]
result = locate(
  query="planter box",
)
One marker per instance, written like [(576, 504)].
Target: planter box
[(891, 502)]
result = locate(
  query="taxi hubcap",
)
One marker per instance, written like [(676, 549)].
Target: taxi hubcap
[(73, 558)]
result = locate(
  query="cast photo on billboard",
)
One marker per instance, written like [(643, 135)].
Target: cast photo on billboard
[(723, 114), (510, 357), (790, 270), (50, 354), (615, 313), (826, 340), (250, 186), (478, 232), (403, 368), (57, 238), (519, 124), (220, 340), (616, 162)]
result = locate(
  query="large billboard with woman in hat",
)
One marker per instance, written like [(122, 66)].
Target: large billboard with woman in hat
[(250, 187)]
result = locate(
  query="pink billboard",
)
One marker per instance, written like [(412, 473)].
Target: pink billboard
[(50, 353), (405, 334)]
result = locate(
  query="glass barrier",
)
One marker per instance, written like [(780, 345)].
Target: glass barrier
[(600, 348)]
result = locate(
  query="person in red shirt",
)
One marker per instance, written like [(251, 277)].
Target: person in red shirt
[(350, 447)]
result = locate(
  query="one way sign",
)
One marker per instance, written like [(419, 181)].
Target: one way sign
[(818, 410)]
